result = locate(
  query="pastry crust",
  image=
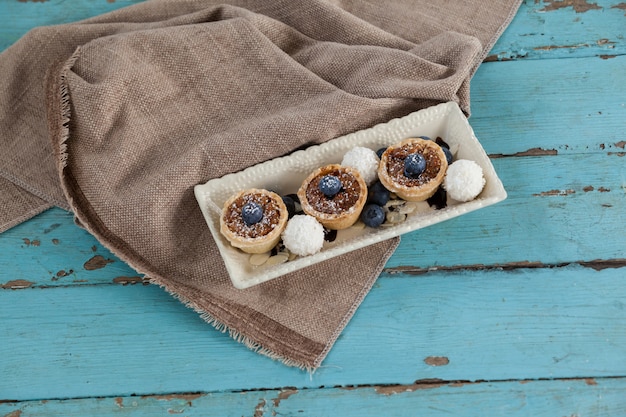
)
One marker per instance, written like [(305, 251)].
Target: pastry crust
[(343, 210), (390, 170), (260, 237)]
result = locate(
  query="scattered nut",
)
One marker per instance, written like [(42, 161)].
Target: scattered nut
[(280, 258), (358, 225), (259, 259), (395, 217)]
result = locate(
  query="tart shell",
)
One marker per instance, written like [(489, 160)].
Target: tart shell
[(261, 243), (429, 181), (341, 219)]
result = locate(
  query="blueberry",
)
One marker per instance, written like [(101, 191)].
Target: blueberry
[(414, 165), (294, 197), (373, 215), (251, 213), (439, 199), (330, 235), (290, 204), (378, 194), (330, 185), (441, 142), (380, 152), (448, 154)]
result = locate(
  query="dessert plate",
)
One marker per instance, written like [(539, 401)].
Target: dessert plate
[(285, 174)]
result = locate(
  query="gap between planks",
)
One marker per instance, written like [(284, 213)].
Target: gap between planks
[(284, 392), (596, 264)]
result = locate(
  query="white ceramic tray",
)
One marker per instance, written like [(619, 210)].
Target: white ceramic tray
[(284, 175)]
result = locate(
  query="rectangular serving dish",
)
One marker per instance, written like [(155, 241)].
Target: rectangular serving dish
[(285, 174)]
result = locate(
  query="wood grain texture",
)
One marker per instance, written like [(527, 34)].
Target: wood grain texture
[(516, 309), (490, 325)]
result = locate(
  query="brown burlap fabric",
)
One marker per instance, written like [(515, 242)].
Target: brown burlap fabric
[(119, 116)]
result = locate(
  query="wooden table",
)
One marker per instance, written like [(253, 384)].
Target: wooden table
[(518, 309)]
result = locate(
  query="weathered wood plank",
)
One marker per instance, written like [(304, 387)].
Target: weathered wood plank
[(580, 397), (50, 250), (488, 325), (19, 16), (564, 29), (551, 106)]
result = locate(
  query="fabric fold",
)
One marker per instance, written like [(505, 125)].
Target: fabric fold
[(142, 104)]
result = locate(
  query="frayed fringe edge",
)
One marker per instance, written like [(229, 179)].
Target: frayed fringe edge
[(66, 110), (221, 327)]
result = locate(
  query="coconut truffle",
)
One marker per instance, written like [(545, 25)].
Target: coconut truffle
[(363, 160), (464, 180), (304, 235)]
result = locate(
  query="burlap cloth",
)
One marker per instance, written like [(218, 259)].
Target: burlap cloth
[(117, 118)]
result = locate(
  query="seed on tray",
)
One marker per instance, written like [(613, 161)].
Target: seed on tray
[(277, 259), (259, 259)]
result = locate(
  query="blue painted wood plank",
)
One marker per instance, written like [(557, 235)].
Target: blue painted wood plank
[(564, 29), (566, 106), (584, 397), (489, 325), (19, 16), (51, 250)]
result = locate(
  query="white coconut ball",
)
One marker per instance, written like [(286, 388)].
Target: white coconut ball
[(363, 160), (464, 180), (304, 235)]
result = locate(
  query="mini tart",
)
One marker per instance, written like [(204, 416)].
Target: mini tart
[(340, 211), (391, 169), (259, 237)]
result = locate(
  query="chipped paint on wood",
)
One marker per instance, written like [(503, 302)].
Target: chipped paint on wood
[(97, 262), (601, 264), (62, 273), (579, 6), (259, 410), (529, 152), (283, 395), (189, 398), (552, 47), (28, 242), (51, 228), (555, 193), (621, 6), (129, 280), (418, 385), (17, 284), (436, 360), (597, 264)]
